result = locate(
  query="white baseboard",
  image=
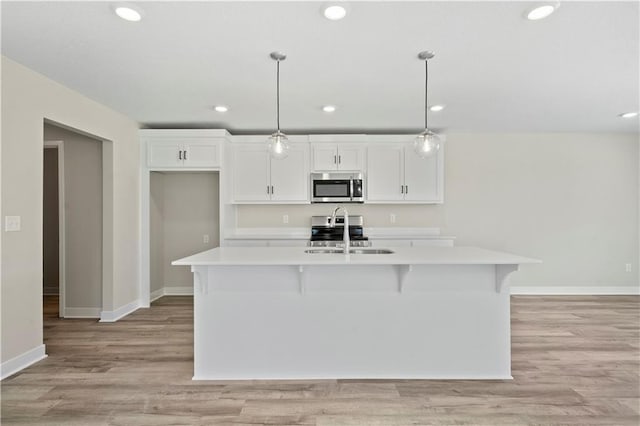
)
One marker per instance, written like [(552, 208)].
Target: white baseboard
[(81, 313), (22, 361), (178, 291), (575, 291), (113, 316), (155, 295)]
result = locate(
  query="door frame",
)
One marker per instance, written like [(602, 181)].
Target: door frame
[(59, 146)]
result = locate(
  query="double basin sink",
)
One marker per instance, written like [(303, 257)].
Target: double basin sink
[(351, 251)]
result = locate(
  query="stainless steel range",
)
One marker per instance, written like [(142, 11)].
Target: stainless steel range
[(325, 235)]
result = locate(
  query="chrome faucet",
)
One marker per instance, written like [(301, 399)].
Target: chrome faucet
[(345, 235)]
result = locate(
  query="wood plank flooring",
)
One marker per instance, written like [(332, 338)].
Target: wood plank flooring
[(576, 361)]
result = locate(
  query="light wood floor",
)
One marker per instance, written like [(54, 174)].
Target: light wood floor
[(575, 361)]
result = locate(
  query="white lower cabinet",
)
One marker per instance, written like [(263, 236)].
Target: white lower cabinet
[(259, 178), (266, 243), (396, 174), (422, 242)]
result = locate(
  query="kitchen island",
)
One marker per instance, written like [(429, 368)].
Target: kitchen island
[(416, 313)]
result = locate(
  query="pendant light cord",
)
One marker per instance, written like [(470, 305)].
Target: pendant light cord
[(278, 94), (426, 88)]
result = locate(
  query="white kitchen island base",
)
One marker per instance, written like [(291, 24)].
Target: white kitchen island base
[(351, 317)]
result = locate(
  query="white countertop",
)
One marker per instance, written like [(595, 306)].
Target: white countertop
[(401, 256)]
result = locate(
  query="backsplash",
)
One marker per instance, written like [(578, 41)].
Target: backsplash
[(268, 216)]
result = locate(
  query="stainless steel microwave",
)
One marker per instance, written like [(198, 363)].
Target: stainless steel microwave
[(337, 187)]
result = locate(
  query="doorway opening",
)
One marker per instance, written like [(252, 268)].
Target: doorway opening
[(53, 229), (184, 218), (72, 224)]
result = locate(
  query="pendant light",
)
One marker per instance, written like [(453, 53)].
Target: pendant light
[(426, 143), (278, 141)]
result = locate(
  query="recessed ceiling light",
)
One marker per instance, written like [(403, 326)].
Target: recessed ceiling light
[(436, 108), (334, 12), (541, 11), (628, 114), (221, 108), (328, 108), (128, 12)]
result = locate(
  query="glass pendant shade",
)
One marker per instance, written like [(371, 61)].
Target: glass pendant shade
[(426, 144), (278, 145)]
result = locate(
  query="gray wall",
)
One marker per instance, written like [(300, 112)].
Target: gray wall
[(568, 199), (83, 217), (156, 223), (50, 223), (28, 98), (184, 207)]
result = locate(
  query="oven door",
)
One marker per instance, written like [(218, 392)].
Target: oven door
[(331, 190)]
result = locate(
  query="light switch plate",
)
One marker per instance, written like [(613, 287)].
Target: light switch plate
[(11, 223)]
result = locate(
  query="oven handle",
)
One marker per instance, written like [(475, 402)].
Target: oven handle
[(351, 188)]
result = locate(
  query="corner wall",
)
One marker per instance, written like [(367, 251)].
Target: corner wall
[(27, 99)]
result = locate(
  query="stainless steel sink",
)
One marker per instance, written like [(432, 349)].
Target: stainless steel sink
[(351, 251)]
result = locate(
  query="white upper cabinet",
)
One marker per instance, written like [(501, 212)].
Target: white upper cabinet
[(385, 173), (184, 148), (338, 152), (396, 174), (251, 173), (420, 177), (166, 153), (201, 154), (327, 157), (290, 176), (257, 178)]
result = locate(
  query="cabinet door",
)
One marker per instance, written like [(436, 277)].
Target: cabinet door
[(325, 157), (351, 157), (250, 173), (385, 173), (164, 154), (290, 176), (420, 177), (201, 153)]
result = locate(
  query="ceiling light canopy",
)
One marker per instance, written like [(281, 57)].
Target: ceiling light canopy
[(334, 11), (628, 114), (541, 11), (426, 143), (221, 108), (128, 12), (328, 108), (278, 141)]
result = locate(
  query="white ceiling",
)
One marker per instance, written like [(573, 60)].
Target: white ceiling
[(496, 71)]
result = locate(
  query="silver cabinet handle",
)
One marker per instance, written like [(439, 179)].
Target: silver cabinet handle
[(184, 155), (335, 161), (339, 159), (271, 189), (267, 189), (402, 189), (406, 189), (180, 155)]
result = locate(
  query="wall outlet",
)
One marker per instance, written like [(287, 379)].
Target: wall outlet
[(392, 218), (205, 238), (285, 218), (627, 267), (11, 223)]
